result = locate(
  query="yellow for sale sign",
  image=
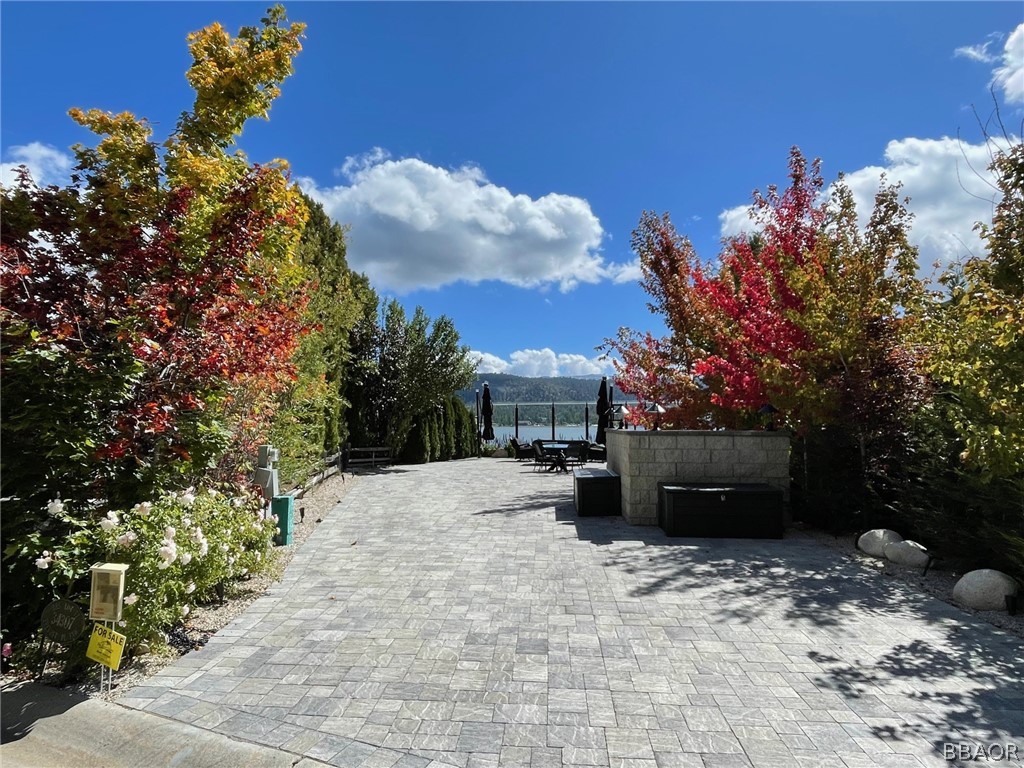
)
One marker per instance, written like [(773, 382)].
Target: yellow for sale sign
[(106, 646)]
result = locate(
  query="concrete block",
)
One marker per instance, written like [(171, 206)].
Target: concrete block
[(724, 456), (719, 441), (754, 455)]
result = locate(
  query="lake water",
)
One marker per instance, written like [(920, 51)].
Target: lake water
[(529, 434)]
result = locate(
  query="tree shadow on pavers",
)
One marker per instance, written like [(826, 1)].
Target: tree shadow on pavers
[(960, 680), (748, 580), (963, 687), (605, 529), (522, 504), (384, 470)]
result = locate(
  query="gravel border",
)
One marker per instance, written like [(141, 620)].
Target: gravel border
[(938, 582)]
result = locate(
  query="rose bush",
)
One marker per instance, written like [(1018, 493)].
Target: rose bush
[(178, 549)]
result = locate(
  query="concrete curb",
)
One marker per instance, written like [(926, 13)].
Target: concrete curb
[(45, 727)]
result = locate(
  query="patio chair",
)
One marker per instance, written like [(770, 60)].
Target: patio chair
[(579, 453), (519, 451), (540, 459)]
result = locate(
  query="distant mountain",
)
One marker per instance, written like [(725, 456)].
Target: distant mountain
[(506, 388)]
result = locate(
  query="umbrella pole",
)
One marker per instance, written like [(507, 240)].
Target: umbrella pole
[(478, 436), (586, 422), (552, 422), (517, 422)]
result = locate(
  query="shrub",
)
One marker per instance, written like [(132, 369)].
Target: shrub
[(179, 549)]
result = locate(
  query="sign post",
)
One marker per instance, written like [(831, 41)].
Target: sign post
[(105, 648), (105, 604)]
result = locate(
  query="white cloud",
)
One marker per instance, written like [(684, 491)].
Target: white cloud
[(949, 186), (1010, 76), (950, 190), (415, 225), (488, 363), (979, 52), (543, 362), (629, 272), (48, 165), (733, 221)]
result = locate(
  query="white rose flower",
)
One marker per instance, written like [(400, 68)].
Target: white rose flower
[(55, 506), (169, 532), (42, 563), (168, 552), (184, 611), (130, 600), (185, 558), (204, 547), (213, 492), (190, 588), (187, 522), (163, 565), (107, 524), (224, 547), (187, 499), (143, 508)]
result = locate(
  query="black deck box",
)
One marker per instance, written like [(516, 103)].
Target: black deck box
[(742, 511), (596, 492)]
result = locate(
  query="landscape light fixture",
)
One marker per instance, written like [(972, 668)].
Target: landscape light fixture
[(767, 413), (620, 412), (656, 410)]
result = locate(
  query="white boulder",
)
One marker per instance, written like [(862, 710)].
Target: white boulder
[(985, 589), (873, 542), (908, 553)]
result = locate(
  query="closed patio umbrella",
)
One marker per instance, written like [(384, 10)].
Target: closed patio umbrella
[(488, 412), (602, 410)]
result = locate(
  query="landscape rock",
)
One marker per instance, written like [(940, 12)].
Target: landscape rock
[(985, 589), (908, 553), (873, 542)]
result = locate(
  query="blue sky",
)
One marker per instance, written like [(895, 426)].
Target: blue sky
[(493, 158)]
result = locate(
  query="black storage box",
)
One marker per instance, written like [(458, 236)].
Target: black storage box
[(596, 492), (742, 511)]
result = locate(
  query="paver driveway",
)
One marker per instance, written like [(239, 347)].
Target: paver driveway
[(461, 613)]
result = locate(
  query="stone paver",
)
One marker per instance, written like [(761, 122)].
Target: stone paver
[(460, 614)]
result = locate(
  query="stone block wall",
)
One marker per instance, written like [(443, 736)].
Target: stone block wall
[(644, 459)]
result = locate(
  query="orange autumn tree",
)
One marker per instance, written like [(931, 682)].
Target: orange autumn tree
[(806, 313), (152, 306)]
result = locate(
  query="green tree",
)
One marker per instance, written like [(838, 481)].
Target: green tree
[(406, 369), (967, 481), (977, 346), (309, 420)]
